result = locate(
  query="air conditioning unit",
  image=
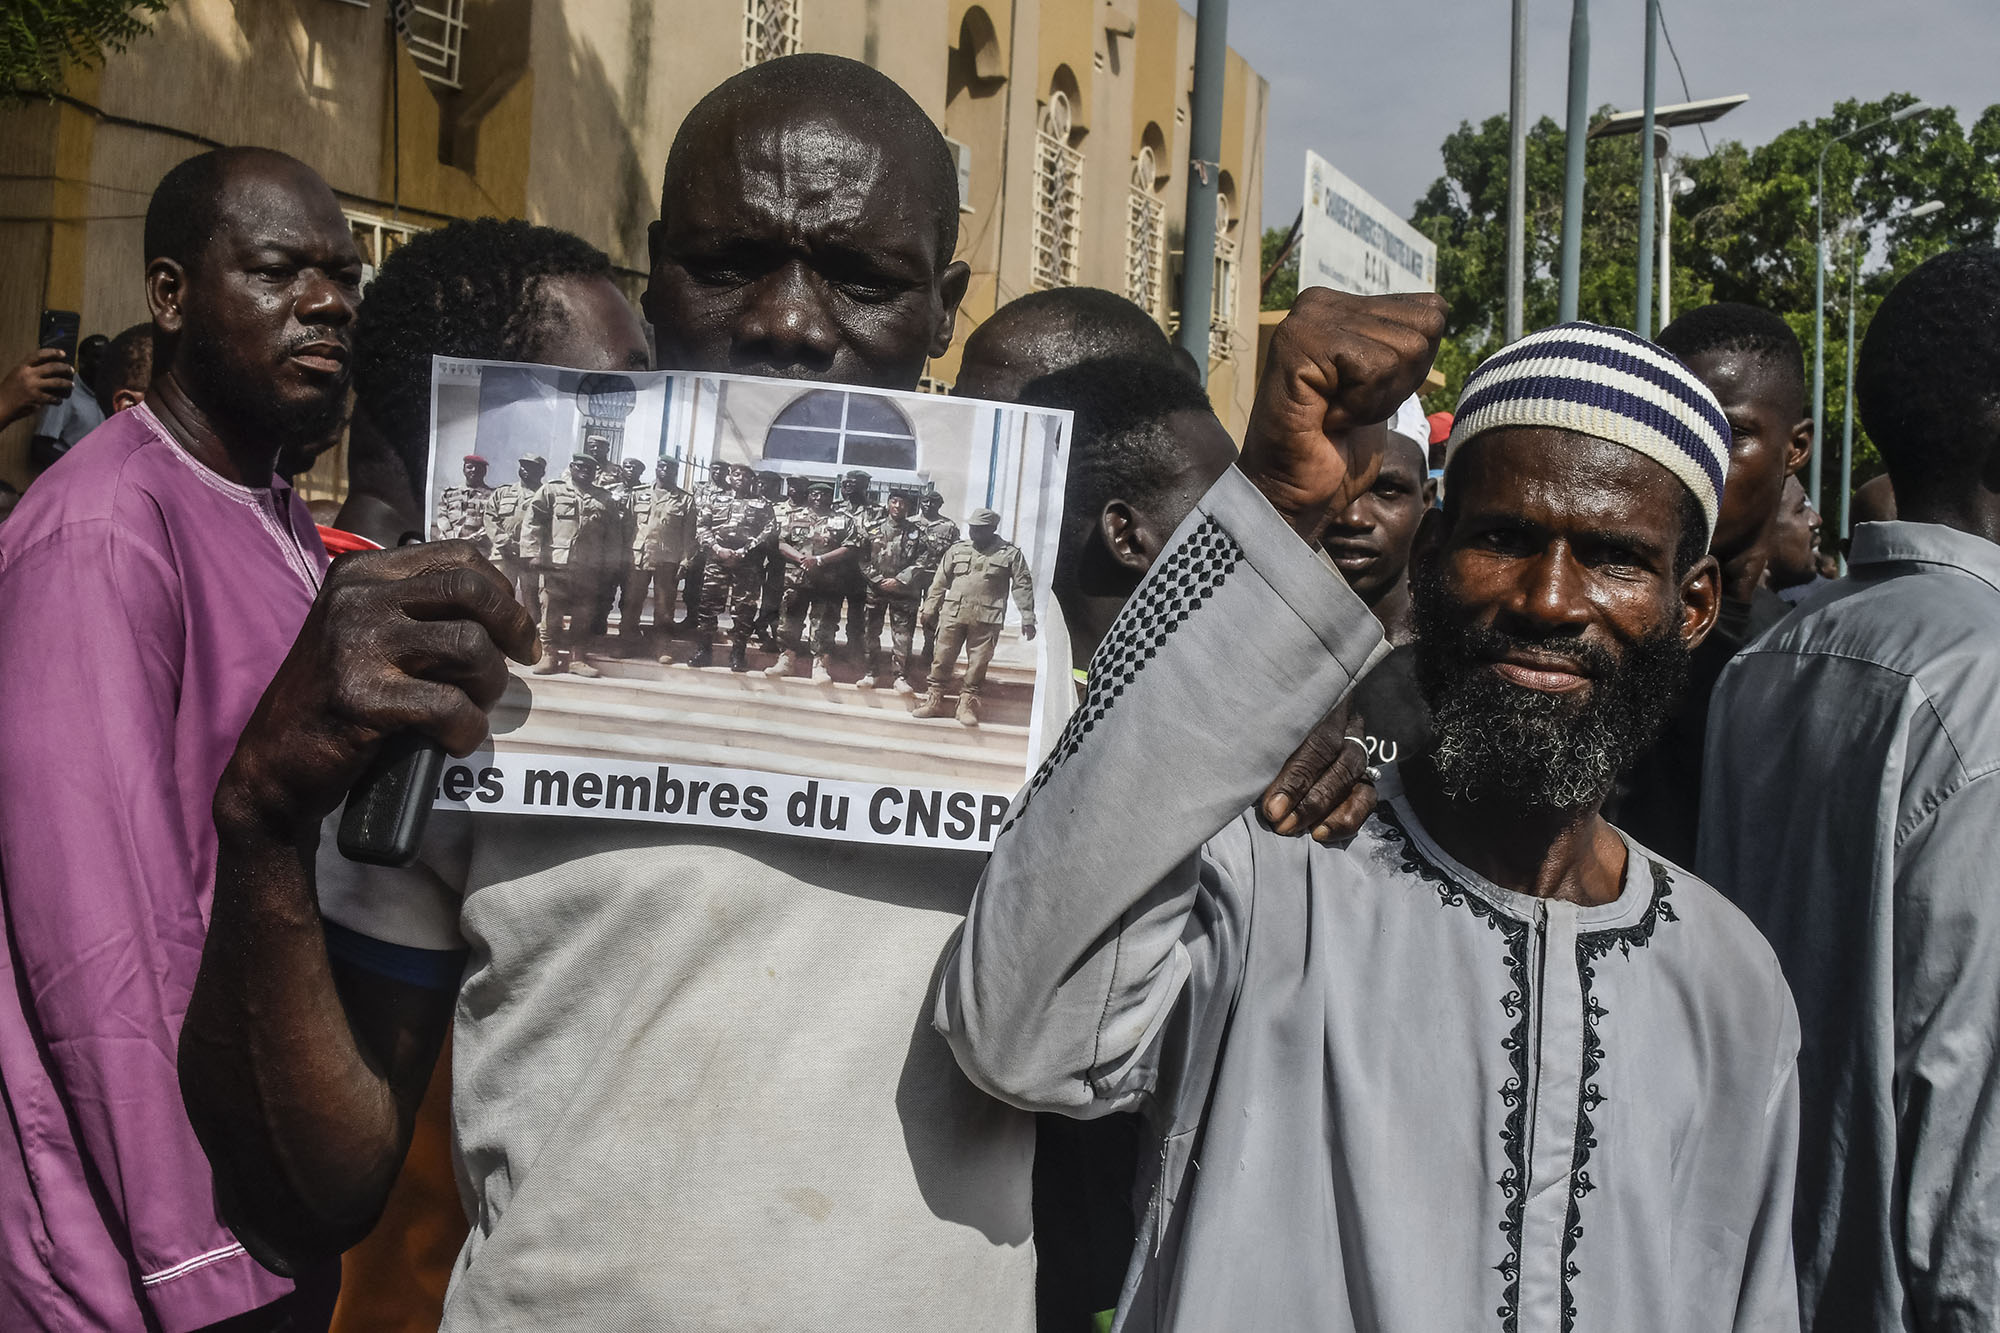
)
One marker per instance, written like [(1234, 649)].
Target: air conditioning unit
[(962, 154)]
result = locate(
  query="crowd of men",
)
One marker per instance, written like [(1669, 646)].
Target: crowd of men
[(780, 557), (1239, 1025)]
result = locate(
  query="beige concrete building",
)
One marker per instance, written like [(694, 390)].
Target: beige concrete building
[(1070, 117)]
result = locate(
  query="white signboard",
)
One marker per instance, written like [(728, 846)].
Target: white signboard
[(1353, 242)]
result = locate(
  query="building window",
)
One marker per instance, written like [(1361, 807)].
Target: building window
[(1222, 298), (833, 429), (770, 30), (376, 238), (1058, 198), (604, 401), (1145, 236), (434, 32)]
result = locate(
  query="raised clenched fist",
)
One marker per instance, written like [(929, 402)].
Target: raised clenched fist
[(1336, 363)]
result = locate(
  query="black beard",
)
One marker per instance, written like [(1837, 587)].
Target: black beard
[(288, 428), (1493, 740)]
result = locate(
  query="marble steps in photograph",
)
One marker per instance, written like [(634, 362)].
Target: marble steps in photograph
[(1008, 699), (718, 718)]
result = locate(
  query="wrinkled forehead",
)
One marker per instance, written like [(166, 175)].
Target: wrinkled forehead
[(1564, 480), (1403, 458), (775, 167), (274, 202)]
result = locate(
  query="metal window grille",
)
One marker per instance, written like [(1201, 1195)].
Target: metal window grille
[(376, 238), (1222, 297), (434, 32), (1145, 236), (770, 30), (1058, 238), (604, 401)]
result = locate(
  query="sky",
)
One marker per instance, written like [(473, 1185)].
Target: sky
[(1374, 86)]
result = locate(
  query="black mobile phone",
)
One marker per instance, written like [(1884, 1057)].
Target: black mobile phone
[(383, 824), (60, 329)]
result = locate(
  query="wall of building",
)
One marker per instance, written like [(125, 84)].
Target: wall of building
[(565, 115)]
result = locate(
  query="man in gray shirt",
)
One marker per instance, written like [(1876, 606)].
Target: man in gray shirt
[(1852, 808)]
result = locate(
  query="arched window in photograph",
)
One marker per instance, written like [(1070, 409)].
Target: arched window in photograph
[(845, 430), (1145, 235), (1058, 239), (604, 401), (1222, 299), (770, 30)]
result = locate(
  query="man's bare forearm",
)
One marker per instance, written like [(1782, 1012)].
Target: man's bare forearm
[(302, 1129)]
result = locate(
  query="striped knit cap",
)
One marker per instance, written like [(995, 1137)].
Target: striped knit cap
[(1609, 384)]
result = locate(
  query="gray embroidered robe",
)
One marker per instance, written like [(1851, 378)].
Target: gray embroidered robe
[(1387, 1094)]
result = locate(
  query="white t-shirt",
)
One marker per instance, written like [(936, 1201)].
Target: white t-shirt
[(695, 1085)]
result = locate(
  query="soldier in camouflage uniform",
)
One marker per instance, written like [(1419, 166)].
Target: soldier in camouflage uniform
[(855, 504), (664, 534), (893, 565), (968, 602), (764, 633), (633, 494), (939, 534), (734, 531), (573, 534), (461, 510), (817, 545), (506, 511), (610, 479)]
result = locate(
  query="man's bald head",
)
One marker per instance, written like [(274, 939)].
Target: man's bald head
[(252, 278), (1144, 440), (189, 204), (806, 229), (1044, 332), (801, 88)]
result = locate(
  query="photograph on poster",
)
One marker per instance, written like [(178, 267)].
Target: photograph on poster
[(795, 606)]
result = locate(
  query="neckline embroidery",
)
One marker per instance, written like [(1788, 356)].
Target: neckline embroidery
[(1591, 948)]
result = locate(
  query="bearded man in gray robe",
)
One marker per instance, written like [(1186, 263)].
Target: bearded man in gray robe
[(1492, 1064)]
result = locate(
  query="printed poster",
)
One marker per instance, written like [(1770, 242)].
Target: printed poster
[(747, 589)]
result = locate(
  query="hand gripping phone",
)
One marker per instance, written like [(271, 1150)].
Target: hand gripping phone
[(383, 824), (60, 329), (387, 810)]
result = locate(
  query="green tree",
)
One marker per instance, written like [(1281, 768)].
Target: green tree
[(40, 38), (1284, 288), (1744, 232), (1464, 212)]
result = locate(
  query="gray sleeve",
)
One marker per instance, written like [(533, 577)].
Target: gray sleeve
[(1948, 1104), (1101, 903)]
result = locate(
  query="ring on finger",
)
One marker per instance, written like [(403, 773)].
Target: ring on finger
[(1356, 740)]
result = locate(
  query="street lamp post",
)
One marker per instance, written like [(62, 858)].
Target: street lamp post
[(1517, 174), (1670, 185), (1819, 285), (1575, 138), (1659, 121), (1642, 306)]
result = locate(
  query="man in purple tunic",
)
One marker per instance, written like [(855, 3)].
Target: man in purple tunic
[(150, 583)]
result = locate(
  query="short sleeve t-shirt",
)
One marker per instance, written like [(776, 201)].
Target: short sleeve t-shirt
[(694, 1081), (1392, 708)]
